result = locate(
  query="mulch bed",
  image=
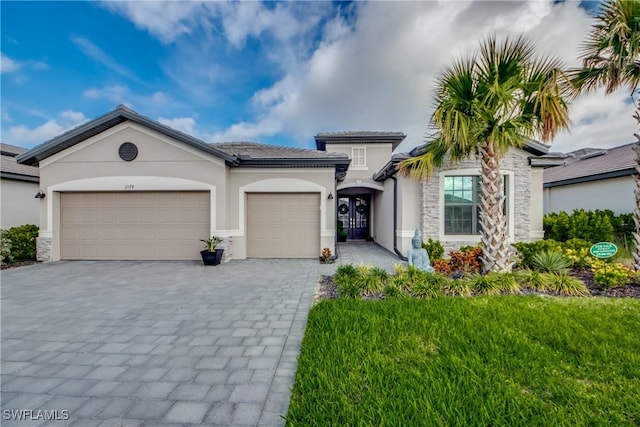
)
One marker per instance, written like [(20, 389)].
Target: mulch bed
[(17, 264), (326, 289), (628, 291)]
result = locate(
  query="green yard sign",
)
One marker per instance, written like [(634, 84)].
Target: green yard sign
[(603, 250)]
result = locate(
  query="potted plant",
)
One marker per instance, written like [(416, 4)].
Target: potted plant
[(211, 255), (342, 234)]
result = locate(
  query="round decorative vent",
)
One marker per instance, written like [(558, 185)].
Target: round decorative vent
[(128, 151)]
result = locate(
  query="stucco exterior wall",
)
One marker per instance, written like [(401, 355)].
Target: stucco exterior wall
[(383, 231), (162, 164), (614, 193), (377, 155), (522, 183), (409, 193), (19, 206), (280, 180)]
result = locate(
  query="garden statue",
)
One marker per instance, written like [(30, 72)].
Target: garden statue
[(418, 256)]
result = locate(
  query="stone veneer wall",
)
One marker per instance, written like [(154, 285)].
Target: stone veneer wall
[(227, 245), (43, 249), (515, 161)]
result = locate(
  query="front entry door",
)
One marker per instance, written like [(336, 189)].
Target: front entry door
[(354, 211)]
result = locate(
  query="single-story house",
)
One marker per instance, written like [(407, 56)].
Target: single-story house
[(592, 178), (123, 186), (18, 188)]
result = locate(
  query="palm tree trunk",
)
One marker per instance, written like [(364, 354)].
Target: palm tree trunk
[(636, 211), (495, 247)]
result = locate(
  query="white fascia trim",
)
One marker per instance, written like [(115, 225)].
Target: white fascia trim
[(130, 184), (361, 184), (473, 238), (279, 170), (119, 128), (282, 185)]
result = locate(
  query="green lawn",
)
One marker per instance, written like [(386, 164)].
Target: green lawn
[(507, 360)]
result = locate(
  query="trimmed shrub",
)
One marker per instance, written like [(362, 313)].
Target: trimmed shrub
[(392, 290), (533, 279), (6, 257), (458, 287), (345, 272), (485, 284), (592, 226), (507, 282), (23, 242), (434, 248), (373, 279), (466, 261), (610, 274), (564, 284), (550, 261), (427, 285)]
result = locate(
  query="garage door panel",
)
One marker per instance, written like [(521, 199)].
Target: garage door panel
[(144, 226), (283, 225)]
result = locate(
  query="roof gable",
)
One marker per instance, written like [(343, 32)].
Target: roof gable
[(96, 126)]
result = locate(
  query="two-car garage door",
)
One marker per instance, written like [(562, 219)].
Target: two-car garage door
[(134, 225)]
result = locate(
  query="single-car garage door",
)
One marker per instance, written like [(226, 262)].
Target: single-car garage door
[(283, 225), (133, 225)]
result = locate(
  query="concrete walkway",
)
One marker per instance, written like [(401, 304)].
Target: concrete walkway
[(368, 253), (154, 343)]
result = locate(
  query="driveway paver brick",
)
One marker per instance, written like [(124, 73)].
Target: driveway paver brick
[(153, 343), (159, 343)]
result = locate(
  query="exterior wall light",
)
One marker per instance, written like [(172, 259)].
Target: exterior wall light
[(330, 196), (41, 195)]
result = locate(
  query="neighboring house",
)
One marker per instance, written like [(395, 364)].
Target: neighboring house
[(18, 187), (448, 204), (592, 179), (123, 186)]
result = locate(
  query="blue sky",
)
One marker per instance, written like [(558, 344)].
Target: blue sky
[(268, 72)]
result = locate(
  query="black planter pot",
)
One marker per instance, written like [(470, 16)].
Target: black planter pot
[(212, 258), (342, 237)]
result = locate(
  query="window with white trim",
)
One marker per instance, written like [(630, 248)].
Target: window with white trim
[(359, 156), (462, 204)]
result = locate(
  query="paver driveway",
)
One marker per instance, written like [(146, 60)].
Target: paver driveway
[(119, 343)]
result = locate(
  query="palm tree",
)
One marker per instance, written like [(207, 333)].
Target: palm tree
[(611, 58), (484, 106)]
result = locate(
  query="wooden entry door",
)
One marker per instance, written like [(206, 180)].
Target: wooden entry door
[(354, 212)]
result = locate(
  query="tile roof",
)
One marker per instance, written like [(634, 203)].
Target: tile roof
[(8, 164), (590, 162), (254, 150)]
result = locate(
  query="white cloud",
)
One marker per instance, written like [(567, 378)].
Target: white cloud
[(599, 121), (8, 65), (24, 136), (377, 72), (183, 124), (119, 94), (166, 20), (371, 66), (99, 55)]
